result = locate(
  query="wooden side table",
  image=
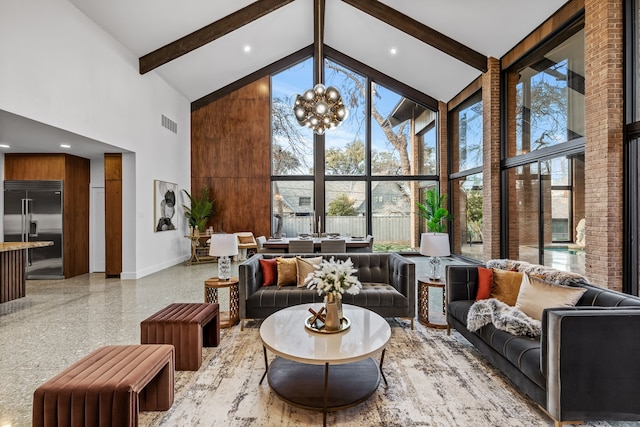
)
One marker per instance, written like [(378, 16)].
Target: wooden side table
[(211, 286), (436, 320)]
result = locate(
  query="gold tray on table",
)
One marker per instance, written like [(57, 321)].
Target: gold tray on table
[(344, 325)]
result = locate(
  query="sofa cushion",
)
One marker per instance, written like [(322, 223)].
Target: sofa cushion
[(287, 271), (506, 286), (536, 295), (286, 296), (460, 309), (371, 295), (485, 280), (304, 267), (246, 240), (376, 295), (522, 352), (269, 269)]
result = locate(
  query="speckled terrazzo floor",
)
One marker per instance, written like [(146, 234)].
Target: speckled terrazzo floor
[(434, 380)]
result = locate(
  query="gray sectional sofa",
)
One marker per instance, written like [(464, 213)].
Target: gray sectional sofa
[(388, 286), (585, 366)]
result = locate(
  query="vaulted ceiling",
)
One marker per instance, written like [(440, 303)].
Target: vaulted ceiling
[(439, 44)]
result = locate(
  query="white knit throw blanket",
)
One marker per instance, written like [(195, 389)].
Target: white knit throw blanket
[(503, 317)]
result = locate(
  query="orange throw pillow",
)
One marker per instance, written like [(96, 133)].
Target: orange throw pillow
[(485, 279), (506, 286), (269, 269)]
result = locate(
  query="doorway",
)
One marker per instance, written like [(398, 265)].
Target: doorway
[(97, 254)]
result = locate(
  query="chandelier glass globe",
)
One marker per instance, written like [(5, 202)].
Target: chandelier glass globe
[(320, 108)]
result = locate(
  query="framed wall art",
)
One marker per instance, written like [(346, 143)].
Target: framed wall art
[(164, 199)]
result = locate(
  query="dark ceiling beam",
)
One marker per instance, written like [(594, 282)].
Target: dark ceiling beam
[(421, 32), (209, 33), (318, 41)]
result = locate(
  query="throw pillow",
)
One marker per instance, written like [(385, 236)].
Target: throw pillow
[(306, 266), (505, 286), (287, 271), (485, 278), (536, 295), (245, 240), (269, 269)]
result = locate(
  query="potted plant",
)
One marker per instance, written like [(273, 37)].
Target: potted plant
[(433, 210), (200, 210)]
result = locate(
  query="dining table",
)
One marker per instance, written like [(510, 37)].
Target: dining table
[(283, 242)]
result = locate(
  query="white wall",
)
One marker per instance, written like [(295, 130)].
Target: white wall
[(96, 235), (59, 68)]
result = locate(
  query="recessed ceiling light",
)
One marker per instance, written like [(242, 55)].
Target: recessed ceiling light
[(246, 48), (393, 51), (65, 146), (5, 146)]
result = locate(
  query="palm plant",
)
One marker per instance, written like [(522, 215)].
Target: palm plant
[(200, 210), (433, 210)]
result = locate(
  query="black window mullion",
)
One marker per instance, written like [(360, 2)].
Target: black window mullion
[(368, 168), (318, 175)]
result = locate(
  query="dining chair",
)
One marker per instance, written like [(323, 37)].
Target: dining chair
[(261, 240), (300, 246), (334, 246), (368, 248), (247, 244), (370, 240)]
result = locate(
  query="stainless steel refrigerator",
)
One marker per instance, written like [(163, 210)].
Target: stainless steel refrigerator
[(33, 212)]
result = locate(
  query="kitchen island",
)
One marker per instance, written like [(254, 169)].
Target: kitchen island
[(13, 256)]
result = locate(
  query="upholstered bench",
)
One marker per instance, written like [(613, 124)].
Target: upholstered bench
[(107, 388), (187, 326)]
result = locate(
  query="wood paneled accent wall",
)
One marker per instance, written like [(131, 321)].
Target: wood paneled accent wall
[(75, 172), (76, 215), (230, 153), (113, 214)]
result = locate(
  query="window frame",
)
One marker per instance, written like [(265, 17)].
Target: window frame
[(319, 176), (567, 148)]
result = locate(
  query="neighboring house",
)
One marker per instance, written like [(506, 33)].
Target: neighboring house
[(388, 198)]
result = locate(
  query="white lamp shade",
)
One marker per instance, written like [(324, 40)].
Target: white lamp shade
[(223, 245), (435, 244)]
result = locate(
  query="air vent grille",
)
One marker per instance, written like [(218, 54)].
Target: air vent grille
[(34, 185), (169, 124)]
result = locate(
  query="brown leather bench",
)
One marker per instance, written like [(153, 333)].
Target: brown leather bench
[(107, 388), (188, 326)]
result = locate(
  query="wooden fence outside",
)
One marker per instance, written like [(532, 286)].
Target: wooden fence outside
[(396, 229)]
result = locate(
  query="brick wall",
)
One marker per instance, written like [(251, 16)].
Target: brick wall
[(491, 160), (442, 147), (604, 96)]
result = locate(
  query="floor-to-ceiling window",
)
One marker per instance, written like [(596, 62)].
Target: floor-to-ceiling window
[(466, 182), (346, 156), (361, 178), (292, 155), (544, 163)]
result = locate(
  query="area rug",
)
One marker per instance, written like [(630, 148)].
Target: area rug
[(433, 380)]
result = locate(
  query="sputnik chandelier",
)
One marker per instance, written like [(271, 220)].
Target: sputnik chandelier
[(319, 108)]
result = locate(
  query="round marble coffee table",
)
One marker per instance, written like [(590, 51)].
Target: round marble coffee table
[(302, 376)]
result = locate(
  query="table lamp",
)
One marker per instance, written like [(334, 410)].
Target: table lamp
[(434, 245), (223, 246)]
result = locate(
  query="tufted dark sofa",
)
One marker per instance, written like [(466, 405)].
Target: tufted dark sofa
[(388, 286), (584, 366)]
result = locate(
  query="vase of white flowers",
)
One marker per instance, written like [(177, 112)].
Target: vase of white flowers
[(332, 317), (333, 278)]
